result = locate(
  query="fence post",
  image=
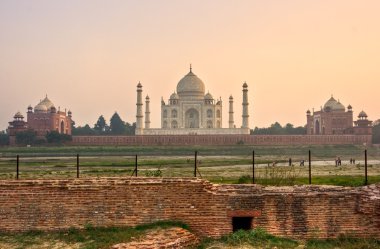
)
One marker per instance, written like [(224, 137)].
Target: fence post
[(17, 166), (309, 167), (195, 163), (253, 167), (365, 168), (136, 166), (77, 165)]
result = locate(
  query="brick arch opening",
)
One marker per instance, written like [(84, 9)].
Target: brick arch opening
[(241, 223)]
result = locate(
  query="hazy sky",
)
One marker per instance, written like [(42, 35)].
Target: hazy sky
[(88, 56)]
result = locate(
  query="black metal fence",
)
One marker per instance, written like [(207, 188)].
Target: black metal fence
[(133, 166)]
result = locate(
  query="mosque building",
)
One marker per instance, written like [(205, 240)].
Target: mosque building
[(191, 111), (333, 119), (42, 119)]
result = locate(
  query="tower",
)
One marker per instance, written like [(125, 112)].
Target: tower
[(147, 113), (139, 112), (231, 113), (245, 116)]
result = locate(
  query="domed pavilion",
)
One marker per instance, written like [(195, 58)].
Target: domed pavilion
[(43, 118), (334, 119)]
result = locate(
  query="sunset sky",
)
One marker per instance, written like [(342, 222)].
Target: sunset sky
[(88, 55)]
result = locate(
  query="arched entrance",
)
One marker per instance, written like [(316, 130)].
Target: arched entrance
[(192, 118), (317, 128), (62, 127)]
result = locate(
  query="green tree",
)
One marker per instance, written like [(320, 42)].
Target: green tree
[(117, 126), (101, 125), (26, 137), (130, 129), (277, 129), (376, 134), (4, 138), (83, 131), (57, 138)]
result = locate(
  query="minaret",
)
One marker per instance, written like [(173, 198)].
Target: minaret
[(245, 116), (147, 113), (139, 112), (231, 113)]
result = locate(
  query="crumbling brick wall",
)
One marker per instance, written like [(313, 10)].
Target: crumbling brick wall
[(299, 212)]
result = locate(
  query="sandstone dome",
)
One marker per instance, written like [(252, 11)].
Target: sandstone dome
[(362, 114), (191, 86), (18, 115)]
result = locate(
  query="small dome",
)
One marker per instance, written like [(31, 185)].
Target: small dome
[(349, 107), (139, 85), (30, 107), (245, 85), (53, 109), (191, 85), (174, 96), (339, 106), (362, 114), (147, 97), (40, 108), (18, 115), (308, 112), (231, 97), (208, 96)]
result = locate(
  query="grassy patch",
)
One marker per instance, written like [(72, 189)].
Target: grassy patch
[(347, 181), (256, 237), (343, 242), (88, 238)]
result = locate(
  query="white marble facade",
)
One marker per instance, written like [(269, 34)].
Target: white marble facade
[(190, 111)]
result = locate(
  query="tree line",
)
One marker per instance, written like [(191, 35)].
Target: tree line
[(116, 127), (277, 129)]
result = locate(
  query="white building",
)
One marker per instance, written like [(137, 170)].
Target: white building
[(190, 111)]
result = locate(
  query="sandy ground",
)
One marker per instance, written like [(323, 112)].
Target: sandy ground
[(43, 245)]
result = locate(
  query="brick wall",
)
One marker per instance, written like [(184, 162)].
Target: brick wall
[(222, 140), (299, 212)]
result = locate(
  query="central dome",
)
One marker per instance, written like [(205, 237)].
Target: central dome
[(333, 105), (191, 85)]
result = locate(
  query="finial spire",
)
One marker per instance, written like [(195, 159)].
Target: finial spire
[(190, 68)]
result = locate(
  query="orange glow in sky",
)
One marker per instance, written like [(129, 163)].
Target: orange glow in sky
[(88, 56)]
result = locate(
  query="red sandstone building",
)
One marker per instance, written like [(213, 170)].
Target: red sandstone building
[(43, 119), (333, 119)]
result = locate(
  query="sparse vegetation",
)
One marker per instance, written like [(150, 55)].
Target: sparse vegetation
[(101, 237), (88, 238)]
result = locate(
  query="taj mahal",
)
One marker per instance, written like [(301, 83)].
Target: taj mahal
[(191, 111)]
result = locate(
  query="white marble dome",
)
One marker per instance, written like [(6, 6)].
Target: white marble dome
[(191, 85), (333, 105), (40, 108), (174, 96), (44, 105), (47, 103)]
